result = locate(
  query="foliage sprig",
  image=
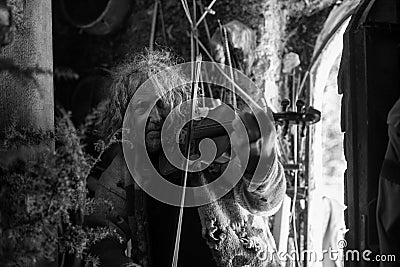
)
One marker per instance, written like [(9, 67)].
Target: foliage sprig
[(43, 201)]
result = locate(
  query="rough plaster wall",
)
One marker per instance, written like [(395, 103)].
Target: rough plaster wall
[(269, 50), (319, 76), (298, 8), (337, 14), (30, 103)]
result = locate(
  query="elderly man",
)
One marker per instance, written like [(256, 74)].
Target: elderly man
[(230, 231)]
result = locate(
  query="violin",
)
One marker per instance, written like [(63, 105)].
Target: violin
[(208, 128), (218, 124)]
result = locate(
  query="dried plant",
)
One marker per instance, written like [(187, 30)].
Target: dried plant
[(44, 201)]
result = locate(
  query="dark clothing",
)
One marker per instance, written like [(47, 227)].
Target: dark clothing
[(388, 211), (230, 223), (163, 221), (110, 253)]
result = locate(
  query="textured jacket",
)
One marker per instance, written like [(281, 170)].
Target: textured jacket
[(235, 227), (388, 212)]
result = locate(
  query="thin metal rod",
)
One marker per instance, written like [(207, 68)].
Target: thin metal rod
[(296, 173), (228, 54), (153, 26), (208, 9), (205, 21), (194, 31), (248, 98), (187, 13), (162, 21), (195, 88)]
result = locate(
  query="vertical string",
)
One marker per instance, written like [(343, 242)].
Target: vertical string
[(194, 30), (228, 55), (237, 87), (187, 151), (162, 21), (203, 92), (187, 13), (295, 159), (153, 25), (223, 96), (205, 20)]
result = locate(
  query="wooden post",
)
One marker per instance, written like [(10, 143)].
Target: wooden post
[(28, 102)]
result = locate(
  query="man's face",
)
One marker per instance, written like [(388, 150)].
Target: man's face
[(153, 122)]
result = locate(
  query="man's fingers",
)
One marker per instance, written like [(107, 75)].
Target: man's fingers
[(255, 153), (237, 142), (257, 126), (252, 127), (257, 142), (270, 114), (247, 152), (266, 120), (249, 121)]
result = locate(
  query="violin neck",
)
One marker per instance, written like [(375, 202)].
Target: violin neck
[(215, 129), (212, 130)]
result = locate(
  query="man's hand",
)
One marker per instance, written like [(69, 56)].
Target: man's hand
[(261, 135)]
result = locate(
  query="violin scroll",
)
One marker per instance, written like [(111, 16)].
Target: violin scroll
[(303, 116), (307, 115)]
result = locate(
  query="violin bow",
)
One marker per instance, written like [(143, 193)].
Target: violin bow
[(227, 97), (195, 87), (230, 97)]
